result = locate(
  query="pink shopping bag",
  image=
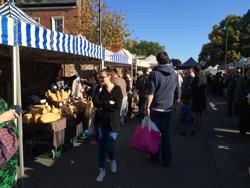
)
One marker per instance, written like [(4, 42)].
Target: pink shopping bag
[(146, 139)]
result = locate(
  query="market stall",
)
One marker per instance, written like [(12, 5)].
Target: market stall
[(31, 41), (17, 32)]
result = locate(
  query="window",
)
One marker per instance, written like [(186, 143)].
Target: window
[(57, 23), (37, 19)]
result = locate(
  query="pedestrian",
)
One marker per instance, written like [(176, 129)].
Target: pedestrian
[(185, 87), (242, 89), (107, 100), (117, 80), (198, 99), (129, 87), (163, 94)]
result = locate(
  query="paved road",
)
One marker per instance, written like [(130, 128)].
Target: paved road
[(216, 158)]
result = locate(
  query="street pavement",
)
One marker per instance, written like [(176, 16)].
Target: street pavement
[(218, 157)]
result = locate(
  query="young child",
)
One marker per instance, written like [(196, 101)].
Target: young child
[(186, 119)]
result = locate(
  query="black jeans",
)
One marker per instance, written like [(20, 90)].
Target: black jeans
[(162, 121), (129, 105), (142, 106)]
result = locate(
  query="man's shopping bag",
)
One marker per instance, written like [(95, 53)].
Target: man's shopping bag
[(146, 137)]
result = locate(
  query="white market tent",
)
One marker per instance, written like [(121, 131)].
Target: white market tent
[(152, 60), (213, 70), (149, 61)]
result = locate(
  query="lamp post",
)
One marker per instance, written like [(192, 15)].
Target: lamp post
[(225, 62), (100, 30)]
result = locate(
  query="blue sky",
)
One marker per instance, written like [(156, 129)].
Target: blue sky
[(182, 26)]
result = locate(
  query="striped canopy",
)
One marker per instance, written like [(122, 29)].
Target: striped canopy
[(17, 28), (10, 10)]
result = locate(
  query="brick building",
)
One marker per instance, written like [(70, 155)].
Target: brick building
[(58, 15)]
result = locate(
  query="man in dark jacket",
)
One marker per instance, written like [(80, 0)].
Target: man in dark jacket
[(163, 95)]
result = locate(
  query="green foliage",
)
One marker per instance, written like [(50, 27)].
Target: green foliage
[(245, 35), (176, 62), (227, 32), (144, 48), (113, 29)]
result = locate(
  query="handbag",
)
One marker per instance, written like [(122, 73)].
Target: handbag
[(89, 106), (146, 137), (8, 144)]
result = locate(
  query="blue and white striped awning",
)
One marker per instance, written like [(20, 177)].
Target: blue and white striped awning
[(17, 28), (30, 34), (116, 57), (7, 31), (86, 48), (10, 10), (120, 58), (34, 36)]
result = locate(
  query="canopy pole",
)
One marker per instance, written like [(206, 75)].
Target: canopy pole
[(136, 69), (132, 74), (19, 120), (14, 76), (102, 64), (17, 100)]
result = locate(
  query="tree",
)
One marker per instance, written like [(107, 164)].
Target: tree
[(228, 31), (144, 48), (245, 35), (114, 30), (176, 62)]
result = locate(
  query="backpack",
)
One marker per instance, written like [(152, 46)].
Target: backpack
[(8, 144)]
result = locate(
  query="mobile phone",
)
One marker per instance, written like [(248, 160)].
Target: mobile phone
[(18, 109)]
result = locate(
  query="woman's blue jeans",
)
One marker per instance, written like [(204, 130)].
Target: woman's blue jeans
[(105, 145)]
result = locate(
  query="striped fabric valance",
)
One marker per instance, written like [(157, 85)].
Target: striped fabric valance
[(120, 58), (86, 48), (116, 57), (7, 31), (17, 28), (35, 36)]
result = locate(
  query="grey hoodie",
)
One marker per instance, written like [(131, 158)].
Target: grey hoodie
[(163, 84)]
